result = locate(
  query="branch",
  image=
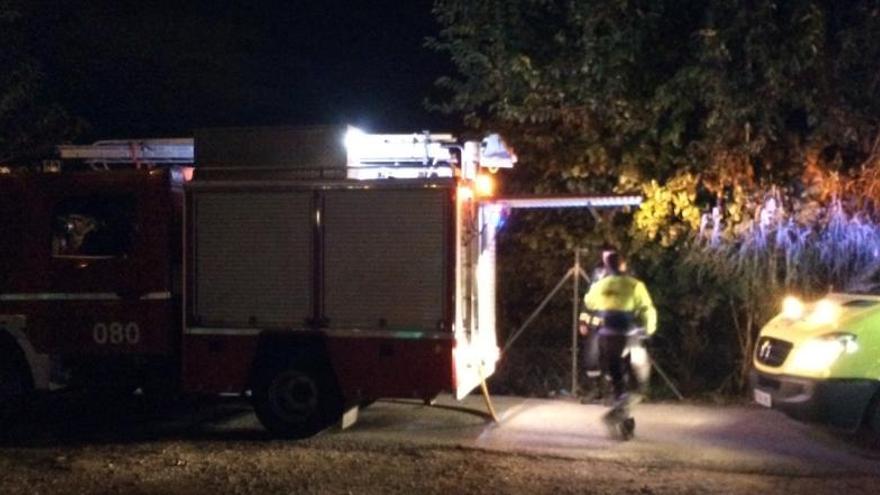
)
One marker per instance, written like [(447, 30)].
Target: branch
[(875, 151)]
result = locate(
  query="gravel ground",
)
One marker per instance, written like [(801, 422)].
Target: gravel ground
[(332, 464), (90, 453)]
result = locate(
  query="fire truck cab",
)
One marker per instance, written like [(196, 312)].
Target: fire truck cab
[(276, 271), (87, 264)]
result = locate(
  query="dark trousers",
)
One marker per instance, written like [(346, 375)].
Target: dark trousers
[(590, 353), (616, 363), (611, 349)]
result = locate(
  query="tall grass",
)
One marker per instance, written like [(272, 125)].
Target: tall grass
[(754, 263)]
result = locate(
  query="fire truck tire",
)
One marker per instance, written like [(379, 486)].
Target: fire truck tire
[(15, 384), (297, 402)]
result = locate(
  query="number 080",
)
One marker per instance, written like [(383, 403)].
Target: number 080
[(116, 333)]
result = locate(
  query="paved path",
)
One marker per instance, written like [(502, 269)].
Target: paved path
[(734, 438)]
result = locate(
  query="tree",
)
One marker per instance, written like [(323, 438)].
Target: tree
[(30, 123), (651, 87), (695, 104)]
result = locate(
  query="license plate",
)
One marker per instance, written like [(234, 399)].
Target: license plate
[(763, 398)]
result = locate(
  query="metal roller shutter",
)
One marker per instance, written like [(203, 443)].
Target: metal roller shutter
[(254, 259), (386, 258)]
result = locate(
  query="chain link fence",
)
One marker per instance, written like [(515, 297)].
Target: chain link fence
[(544, 371), (532, 371)]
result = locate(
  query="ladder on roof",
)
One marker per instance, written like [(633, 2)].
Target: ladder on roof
[(173, 151)]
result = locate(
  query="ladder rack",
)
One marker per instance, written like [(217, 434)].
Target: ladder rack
[(174, 151)]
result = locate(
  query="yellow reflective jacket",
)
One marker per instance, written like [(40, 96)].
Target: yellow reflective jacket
[(622, 293)]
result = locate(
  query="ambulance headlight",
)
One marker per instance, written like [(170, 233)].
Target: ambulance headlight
[(792, 308), (818, 354), (825, 313)]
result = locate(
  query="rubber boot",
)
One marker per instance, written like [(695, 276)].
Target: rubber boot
[(607, 391), (627, 428), (618, 420)]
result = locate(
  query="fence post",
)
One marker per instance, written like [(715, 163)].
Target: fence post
[(575, 313), (577, 273)]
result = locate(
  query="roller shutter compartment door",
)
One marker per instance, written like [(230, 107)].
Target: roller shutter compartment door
[(253, 259), (386, 258)]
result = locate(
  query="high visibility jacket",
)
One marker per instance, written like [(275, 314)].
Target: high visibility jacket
[(622, 294)]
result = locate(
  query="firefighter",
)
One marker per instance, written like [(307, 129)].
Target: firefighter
[(627, 317), (72, 234), (588, 327)]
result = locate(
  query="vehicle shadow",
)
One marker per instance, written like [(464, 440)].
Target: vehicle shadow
[(79, 418)]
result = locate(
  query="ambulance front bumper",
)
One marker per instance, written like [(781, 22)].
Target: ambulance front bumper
[(838, 402)]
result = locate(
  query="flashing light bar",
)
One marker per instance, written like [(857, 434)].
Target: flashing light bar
[(425, 149), (569, 202), (373, 156)]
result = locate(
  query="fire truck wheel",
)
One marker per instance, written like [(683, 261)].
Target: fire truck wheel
[(15, 386), (296, 403)]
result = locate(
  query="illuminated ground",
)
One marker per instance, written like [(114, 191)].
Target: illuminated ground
[(540, 446)]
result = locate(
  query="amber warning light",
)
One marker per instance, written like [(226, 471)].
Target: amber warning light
[(484, 185)]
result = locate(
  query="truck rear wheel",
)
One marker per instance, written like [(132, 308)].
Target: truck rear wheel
[(296, 403)]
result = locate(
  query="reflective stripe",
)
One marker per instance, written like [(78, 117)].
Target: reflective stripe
[(605, 313), (347, 333), (394, 334), (156, 296), (221, 331), (79, 296)]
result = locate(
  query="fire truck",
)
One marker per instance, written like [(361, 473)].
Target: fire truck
[(310, 269)]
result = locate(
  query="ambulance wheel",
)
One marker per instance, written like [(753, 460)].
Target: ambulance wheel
[(872, 423), (296, 403)]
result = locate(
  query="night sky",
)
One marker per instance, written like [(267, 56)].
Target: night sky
[(136, 69)]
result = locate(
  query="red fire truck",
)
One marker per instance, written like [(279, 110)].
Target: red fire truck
[(284, 266)]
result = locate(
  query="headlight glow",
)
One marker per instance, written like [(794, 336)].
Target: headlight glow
[(792, 308), (817, 355), (825, 313)]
